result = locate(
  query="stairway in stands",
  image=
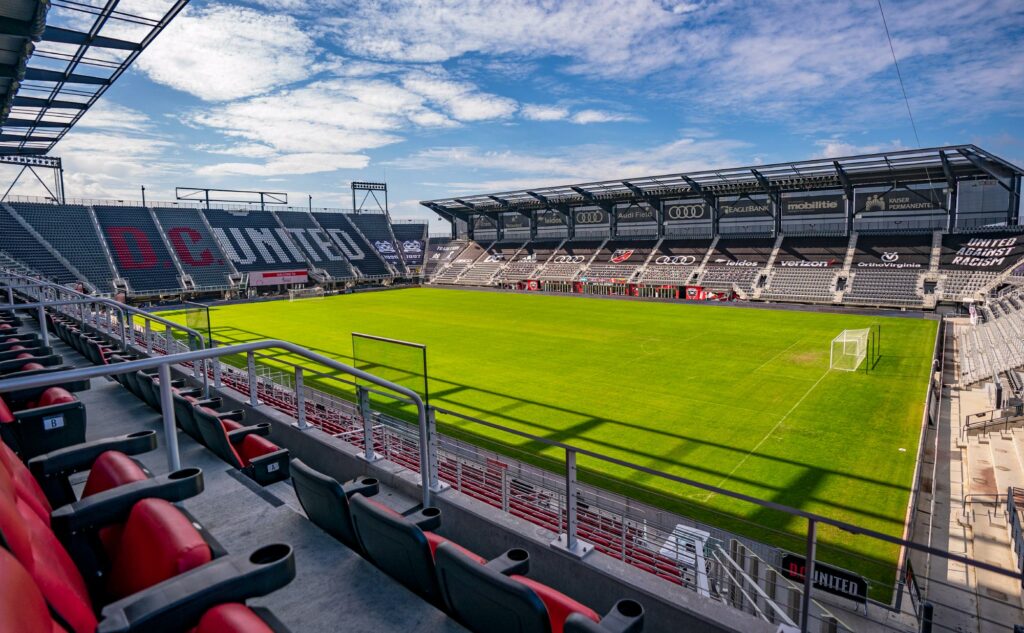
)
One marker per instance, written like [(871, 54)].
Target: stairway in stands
[(982, 467)]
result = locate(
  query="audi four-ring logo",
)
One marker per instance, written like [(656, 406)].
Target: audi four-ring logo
[(569, 259), (590, 217), (676, 260), (685, 211)]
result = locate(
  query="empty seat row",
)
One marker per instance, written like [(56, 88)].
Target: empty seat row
[(492, 596)]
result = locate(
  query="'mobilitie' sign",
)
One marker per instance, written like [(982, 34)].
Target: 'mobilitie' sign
[(826, 578)]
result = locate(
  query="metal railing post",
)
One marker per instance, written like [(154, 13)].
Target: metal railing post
[(167, 407), (127, 330), (250, 361), (433, 465), (927, 611), (569, 541), (805, 603), (168, 337), (149, 336), (300, 401), (367, 416), (42, 326)]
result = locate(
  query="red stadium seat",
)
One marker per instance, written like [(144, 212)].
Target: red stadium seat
[(51, 420), (22, 606), (231, 618)]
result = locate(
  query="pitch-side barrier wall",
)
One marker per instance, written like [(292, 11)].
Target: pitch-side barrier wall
[(582, 516)]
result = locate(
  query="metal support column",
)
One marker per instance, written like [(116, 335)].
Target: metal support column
[(367, 416), (805, 604), (569, 541), (300, 401), (167, 407), (250, 361)]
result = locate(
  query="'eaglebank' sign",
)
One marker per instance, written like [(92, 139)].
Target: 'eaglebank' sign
[(278, 277), (827, 578)]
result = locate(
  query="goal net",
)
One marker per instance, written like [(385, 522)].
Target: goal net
[(316, 292), (849, 349)]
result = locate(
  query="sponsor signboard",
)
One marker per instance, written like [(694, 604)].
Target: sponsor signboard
[(744, 208), (483, 222), (550, 217), (591, 215), (621, 255), (993, 253), (278, 277), (676, 260), (833, 580), (832, 204), (695, 293), (901, 200), (515, 221), (808, 263), (687, 211), (635, 213)]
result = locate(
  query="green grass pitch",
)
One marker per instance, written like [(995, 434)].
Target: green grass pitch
[(738, 398)]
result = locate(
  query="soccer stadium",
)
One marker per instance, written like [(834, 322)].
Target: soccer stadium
[(707, 392)]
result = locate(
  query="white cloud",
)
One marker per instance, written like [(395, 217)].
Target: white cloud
[(290, 164), (535, 112), (835, 147), (462, 100), (584, 117), (107, 115), (223, 52), (504, 170)]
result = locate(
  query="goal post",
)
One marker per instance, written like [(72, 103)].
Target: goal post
[(315, 292), (849, 349), (197, 317), (401, 362)]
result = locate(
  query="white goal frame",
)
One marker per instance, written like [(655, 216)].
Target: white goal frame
[(849, 349), (316, 292)]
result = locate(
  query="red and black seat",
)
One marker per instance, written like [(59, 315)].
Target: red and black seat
[(497, 598), (45, 483), (244, 447), (37, 421), (403, 546), (326, 502)]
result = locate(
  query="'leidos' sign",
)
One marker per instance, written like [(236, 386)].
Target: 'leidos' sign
[(550, 217), (813, 205), (826, 578)]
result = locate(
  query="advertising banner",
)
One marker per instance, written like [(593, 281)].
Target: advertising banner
[(900, 200), (689, 210), (592, 215), (695, 293), (278, 277), (387, 250), (635, 213), (483, 222), (744, 208), (412, 252), (833, 580), (515, 221), (992, 252), (550, 217), (832, 204)]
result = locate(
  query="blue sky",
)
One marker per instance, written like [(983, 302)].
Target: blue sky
[(446, 98)]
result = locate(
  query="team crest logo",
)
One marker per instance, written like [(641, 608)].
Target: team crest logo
[(384, 247), (620, 256), (890, 257), (411, 246)]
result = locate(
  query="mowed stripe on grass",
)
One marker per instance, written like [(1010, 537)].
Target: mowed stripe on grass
[(706, 392)]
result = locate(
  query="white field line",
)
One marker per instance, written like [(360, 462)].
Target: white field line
[(767, 435), (779, 354)]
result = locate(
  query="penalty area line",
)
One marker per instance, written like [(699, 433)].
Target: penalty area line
[(767, 435)]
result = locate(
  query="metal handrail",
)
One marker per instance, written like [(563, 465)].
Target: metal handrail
[(163, 364)]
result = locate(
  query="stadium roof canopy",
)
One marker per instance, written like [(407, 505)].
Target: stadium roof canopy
[(57, 57), (937, 164)]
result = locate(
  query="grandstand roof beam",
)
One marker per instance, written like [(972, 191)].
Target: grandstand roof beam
[(1002, 176), (844, 179), (584, 193), (539, 198), (67, 36), (947, 169), (468, 205), (16, 28), (42, 74), (761, 180), (697, 189), (36, 102), (501, 201), (30, 123)]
